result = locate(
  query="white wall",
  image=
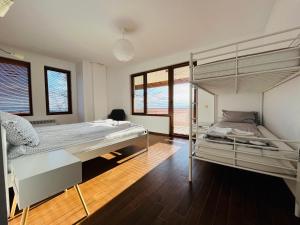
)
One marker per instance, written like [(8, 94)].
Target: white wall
[(80, 92), (282, 110), (239, 102), (100, 91), (37, 63), (210, 108), (158, 124), (285, 14), (92, 91), (281, 105), (206, 107)]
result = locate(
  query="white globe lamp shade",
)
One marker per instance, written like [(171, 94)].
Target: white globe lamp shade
[(123, 50)]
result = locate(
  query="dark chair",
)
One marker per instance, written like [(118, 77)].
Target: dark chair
[(117, 114)]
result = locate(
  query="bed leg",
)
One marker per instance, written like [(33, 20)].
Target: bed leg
[(82, 199), (297, 192), (190, 168), (297, 199), (147, 141), (13, 208), (297, 209), (24, 216), (190, 159)]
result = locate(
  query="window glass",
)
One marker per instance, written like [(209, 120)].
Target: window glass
[(158, 92), (138, 94), (58, 91)]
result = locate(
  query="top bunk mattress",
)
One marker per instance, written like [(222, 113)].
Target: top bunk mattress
[(76, 137), (264, 61)]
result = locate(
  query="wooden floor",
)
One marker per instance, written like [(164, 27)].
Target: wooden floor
[(104, 179), (153, 189)]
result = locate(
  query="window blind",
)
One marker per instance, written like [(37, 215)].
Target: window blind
[(15, 96)]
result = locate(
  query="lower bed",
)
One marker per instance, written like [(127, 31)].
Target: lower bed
[(84, 140), (281, 161)]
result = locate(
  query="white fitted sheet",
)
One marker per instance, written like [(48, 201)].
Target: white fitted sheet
[(70, 136)]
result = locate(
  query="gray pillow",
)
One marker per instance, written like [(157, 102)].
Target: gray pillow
[(19, 131), (239, 116)]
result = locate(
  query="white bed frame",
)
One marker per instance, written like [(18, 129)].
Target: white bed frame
[(92, 150), (276, 42)]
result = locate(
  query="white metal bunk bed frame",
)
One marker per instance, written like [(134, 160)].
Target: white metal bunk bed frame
[(293, 181)]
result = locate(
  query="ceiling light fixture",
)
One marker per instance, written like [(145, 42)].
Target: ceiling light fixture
[(123, 49), (16, 55), (4, 6)]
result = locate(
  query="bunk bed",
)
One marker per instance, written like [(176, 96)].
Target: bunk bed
[(255, 65)]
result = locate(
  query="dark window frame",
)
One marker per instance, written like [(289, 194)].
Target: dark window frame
[(132, 94), (170, 88), (69, 85), (28, 66), (170, 113), (144, 74)]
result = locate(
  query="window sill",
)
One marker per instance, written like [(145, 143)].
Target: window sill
[(58, 113), (142, 114)]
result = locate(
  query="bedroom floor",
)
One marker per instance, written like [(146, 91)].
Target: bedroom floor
[(152, 188)]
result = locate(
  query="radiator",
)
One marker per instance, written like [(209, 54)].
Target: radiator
[(39, 123)]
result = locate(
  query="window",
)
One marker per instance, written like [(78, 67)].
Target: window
[(58, 91), (158, 92), (15, 87), (138, 94), (164, 92), (181, 100), (150, 93)]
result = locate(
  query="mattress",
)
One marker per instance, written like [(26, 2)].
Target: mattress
[(223, 153), (249, 64), (78, 137)]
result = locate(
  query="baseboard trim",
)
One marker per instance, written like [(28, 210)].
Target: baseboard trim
[(157, 133)]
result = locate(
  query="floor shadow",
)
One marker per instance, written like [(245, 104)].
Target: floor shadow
[(102, 164)]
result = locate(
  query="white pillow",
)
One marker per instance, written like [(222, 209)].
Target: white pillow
[(19, 131)]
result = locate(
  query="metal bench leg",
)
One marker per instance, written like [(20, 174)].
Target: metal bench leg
[(24, 216), (81, 199), (147, 141), (13, 208)]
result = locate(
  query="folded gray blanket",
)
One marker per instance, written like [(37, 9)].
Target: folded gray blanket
[(221, 130)]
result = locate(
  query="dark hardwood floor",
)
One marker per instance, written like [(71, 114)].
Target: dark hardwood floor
[(218, 195)]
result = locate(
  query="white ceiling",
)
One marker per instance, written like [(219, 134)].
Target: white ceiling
[(87, 29)]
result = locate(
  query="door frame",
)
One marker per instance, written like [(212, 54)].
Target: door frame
[(171, 94)]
